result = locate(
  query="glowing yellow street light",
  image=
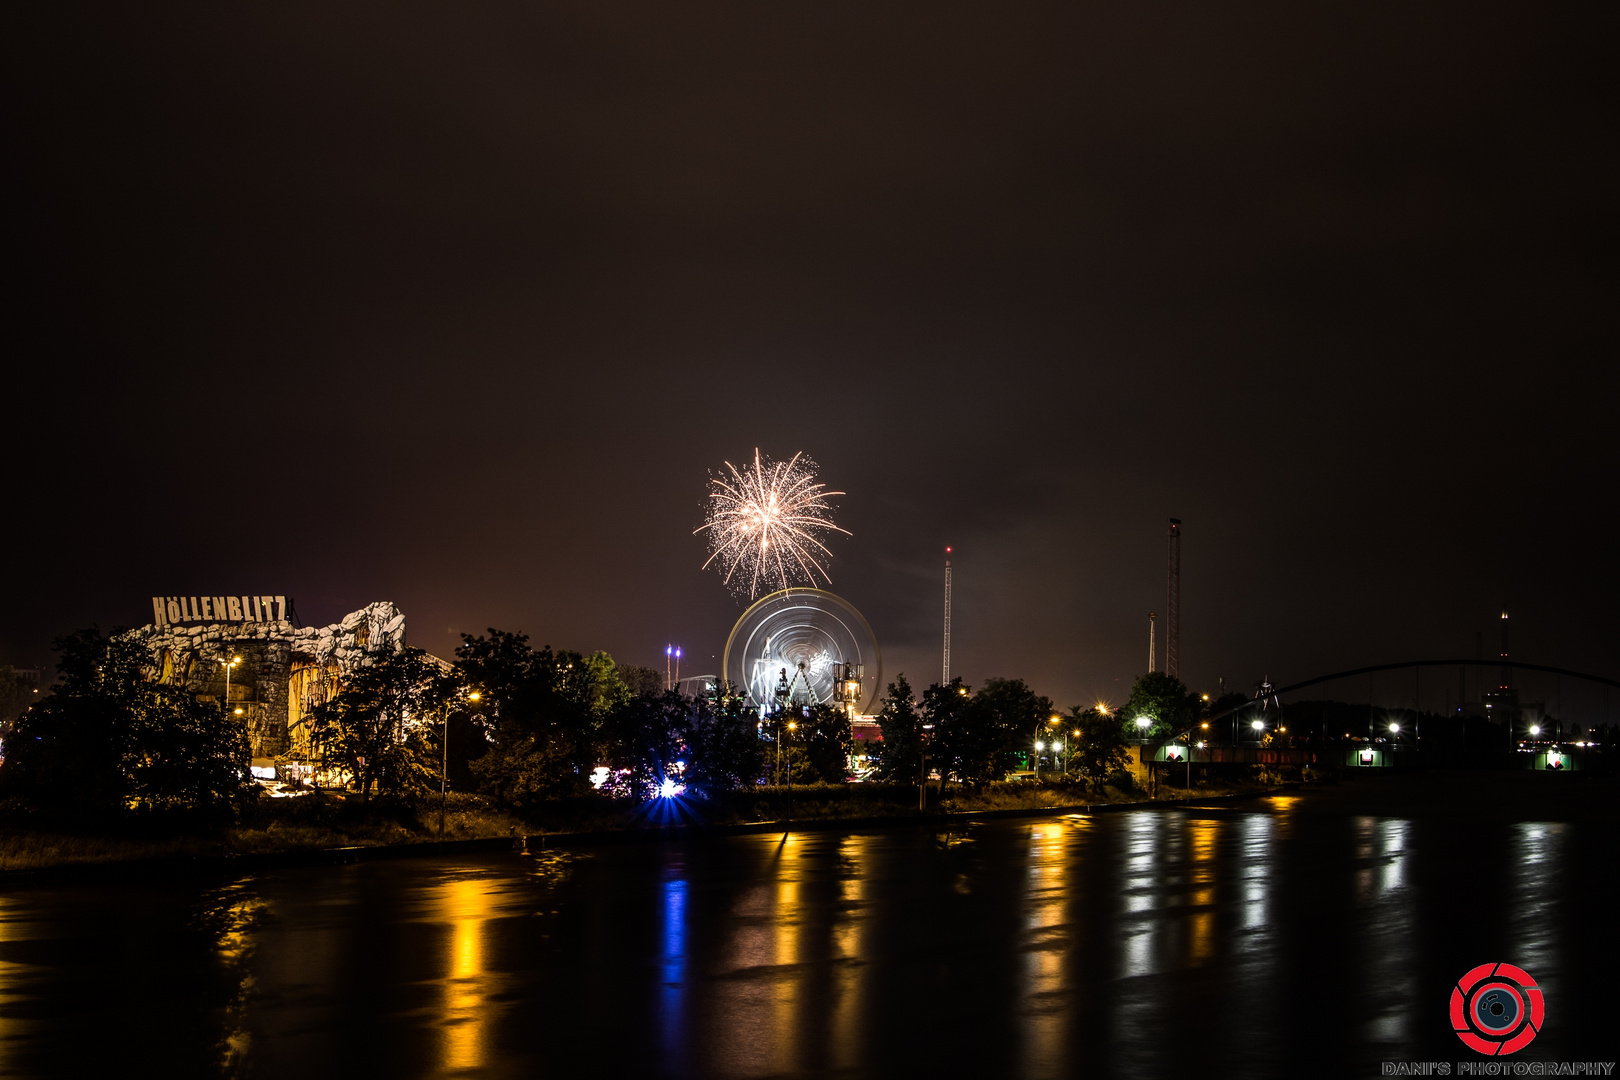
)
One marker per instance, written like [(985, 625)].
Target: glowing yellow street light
[(228, 665), (444, 760)]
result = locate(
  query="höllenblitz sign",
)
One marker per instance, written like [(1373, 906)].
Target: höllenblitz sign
[(172, 610)]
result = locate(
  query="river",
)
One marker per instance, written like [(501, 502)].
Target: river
[(1276, 937)]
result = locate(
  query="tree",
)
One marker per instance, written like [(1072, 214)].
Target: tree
[(945, 710), (16, 695), (727, 750), (644, 738), (1011, 716), (902, 727), (381, 727), (1164, 700), (827, 739), (976, 735), (1097, 747), (106, 740), (544, 712)]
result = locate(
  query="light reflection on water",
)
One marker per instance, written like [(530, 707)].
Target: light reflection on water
[(465, 904), (672, 995), (1388, 925), (11, 1029), (1147, 944), (851, 939), (1045, 945), (1537, 890), (1201, 890)]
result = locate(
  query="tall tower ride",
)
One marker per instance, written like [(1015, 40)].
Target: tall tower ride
[(1172, 600), (947, 678)]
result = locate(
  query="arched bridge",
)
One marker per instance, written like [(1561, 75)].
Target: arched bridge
[(1517, 665)]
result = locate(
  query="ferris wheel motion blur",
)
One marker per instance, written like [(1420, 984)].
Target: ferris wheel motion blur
[(804, 646)]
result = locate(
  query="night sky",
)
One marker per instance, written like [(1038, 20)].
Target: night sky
[(457, 306)]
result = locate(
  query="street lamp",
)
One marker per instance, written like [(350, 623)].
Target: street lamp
[(792, 727), (1142, 725), (228, 665), (444, 762), (922, 779), (1053, 722)]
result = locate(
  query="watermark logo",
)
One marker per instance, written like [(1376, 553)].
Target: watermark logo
[(1496, 1009)]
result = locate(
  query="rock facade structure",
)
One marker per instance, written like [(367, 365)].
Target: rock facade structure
[(285, 670)]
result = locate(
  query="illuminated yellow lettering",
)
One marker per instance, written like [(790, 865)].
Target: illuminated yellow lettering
[(233, 605)]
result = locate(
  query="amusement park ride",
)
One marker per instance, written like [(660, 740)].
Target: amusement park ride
[(804, 646)]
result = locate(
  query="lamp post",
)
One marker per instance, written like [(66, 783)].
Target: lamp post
[(922, 779), (1142, 725), (444, 761), (227, 665), (792, 727)]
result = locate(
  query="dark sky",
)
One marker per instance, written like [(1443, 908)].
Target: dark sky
[(457, 305)]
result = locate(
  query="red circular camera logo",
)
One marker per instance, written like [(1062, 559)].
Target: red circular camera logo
[(1496, 1009)]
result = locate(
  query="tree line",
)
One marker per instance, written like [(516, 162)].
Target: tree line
[(523, 725)]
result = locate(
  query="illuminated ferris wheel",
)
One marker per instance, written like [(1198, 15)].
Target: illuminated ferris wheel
[(804, 646)]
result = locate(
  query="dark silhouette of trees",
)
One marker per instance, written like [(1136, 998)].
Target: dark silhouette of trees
[(384, 726), (16, 696), (827, 740), (1163, 699), (107, 741), (1010, 717), (543, 713), (977, 735), (903, 736), (1097, 747), (727, 749), (646, 741)]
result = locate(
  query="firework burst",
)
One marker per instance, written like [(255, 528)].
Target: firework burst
[(765, 522)]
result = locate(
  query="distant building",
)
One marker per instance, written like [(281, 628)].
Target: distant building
[(285, 670)]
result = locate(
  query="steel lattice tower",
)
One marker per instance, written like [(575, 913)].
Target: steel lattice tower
[(947, 678), (1172, 601)]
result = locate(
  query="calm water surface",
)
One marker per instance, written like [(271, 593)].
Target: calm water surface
[(1266, 940)]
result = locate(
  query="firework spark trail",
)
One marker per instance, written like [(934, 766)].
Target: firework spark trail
[(763, 523)]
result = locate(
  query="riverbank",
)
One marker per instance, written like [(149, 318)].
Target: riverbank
[(330, 827)]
